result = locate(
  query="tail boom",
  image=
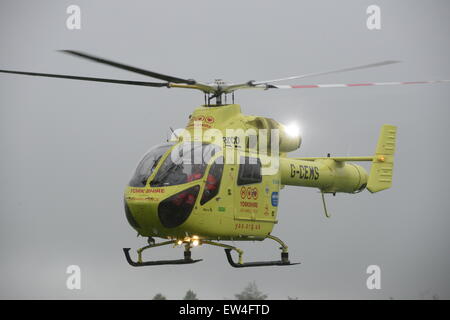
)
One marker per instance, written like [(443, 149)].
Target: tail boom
[(326, 174), (334, 174)]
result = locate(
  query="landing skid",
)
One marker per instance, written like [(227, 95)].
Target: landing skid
[(283, 262), (188, 260), (240, 264), (157, 262), (187, 255)]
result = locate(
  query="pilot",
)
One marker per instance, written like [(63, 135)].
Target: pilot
[(196, 174), (186, 197), (210, 186), (211, 183)]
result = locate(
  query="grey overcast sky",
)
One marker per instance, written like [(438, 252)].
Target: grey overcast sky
[(68, 147)]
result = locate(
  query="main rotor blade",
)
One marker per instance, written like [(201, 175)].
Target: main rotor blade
[(372, 65), (233, 87), (130, 68), (63, 76), (346, 85)]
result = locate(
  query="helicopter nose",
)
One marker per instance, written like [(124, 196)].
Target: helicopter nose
[(131, 220)]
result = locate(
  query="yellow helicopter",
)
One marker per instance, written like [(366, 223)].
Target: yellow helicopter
[(219, 179)]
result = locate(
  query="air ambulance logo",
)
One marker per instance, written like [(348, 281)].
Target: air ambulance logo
[(206, 121), (249, 193)]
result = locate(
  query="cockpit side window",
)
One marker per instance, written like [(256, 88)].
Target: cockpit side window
[(213, 181), (186, 162), (148, 164)]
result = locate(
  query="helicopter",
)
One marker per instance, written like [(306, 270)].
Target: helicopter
[(219, 179)]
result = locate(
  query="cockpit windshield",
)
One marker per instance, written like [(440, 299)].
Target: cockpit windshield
[(148, 164), (186, 162)]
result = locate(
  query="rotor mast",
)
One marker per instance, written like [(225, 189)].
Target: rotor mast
[(220, 94)]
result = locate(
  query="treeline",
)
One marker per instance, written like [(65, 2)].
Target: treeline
[(250, 292)]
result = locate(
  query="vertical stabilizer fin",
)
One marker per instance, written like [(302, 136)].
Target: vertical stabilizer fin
[(380, 177)]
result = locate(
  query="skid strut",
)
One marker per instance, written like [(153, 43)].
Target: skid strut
[(240, 264), (187, 256)]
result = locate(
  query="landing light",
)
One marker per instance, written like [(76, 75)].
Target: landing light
[(292, 130)]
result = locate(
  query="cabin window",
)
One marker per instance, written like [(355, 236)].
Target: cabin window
[(213, 181), (249, 171)]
